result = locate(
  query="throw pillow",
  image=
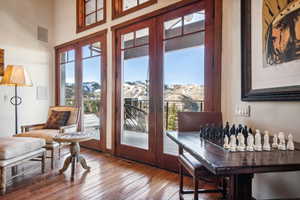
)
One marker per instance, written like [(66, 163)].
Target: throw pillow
[(57, 119)]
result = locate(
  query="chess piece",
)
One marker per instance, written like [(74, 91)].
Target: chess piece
[(232, 130), (250, 131), (275, 141), (281, 145), (245, 132), (226, 129), (266, 146), (257, 146), (232, 143), (240, 128), (290, 143), (226, 142), (250, 142), (241, 139)]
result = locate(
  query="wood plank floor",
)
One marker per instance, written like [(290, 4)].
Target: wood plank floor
[(110, 178)]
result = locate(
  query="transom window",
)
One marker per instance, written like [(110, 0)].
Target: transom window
[(90, 13), (123, 7)]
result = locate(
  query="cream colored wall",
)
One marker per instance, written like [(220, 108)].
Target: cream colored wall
[(65, 31), (272, 116), (18, 36)]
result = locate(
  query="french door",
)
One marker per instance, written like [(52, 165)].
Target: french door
[(136, 91), (81, 82), (163, 67)]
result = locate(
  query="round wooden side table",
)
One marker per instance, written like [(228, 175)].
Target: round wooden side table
[(74, 139)]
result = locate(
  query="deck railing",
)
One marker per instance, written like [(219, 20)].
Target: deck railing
[(136, 112)]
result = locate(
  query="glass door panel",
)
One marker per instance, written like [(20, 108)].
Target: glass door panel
[(183, 66), (135, 103), (135, 89), (67, 78), (91, 88)]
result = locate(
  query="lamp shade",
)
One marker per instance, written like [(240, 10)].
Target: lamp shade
[(16, 76)]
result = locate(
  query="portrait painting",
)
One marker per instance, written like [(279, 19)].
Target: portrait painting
[(270, 50), (281, 31), (1, 62)]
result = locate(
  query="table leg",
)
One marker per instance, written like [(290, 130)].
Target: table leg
[(73, 167), (83, 162), (73, 158), (240, 187), (66, 164)]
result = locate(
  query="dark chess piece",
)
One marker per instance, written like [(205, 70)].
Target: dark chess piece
[(237, 131), (250, 131), (232, 130), (227, 127), (226, 131), (245, 132), (240, 128)]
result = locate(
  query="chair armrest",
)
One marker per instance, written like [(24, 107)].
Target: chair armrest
[(69, 128), (32, 127)]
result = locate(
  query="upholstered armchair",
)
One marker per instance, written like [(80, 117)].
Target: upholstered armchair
[(38, 130)]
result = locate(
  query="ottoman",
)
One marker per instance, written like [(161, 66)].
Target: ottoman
[(17, 150)]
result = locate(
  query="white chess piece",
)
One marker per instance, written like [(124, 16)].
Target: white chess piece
[(241, 140), (281, 137), (258, 146), (266, 146), (232, 143), (275, 141), (226, 142), (250, 142), (290, 143)]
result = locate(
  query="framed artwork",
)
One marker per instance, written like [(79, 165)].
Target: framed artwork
[(1, 62), (270, 37)]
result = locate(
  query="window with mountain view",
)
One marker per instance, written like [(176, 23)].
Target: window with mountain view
[(67, 78), (91, 86), (183, 70), (81, 75), (135, 62)]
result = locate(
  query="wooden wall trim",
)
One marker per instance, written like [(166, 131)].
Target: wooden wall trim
[(63, 45)]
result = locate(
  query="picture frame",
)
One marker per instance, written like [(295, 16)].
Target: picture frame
[(248, 93), (1, 62)]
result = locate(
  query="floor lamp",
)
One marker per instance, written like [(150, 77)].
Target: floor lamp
[(16, 76)]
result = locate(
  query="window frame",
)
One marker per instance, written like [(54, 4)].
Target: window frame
[(212, 93), (76, 45), (117, 8), (81, 16)]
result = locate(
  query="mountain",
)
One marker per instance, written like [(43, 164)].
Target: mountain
[(174, 92)]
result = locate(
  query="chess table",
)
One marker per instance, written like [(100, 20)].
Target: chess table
[(240, 167)]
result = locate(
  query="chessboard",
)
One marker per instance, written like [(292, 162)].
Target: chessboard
[(241, 139)]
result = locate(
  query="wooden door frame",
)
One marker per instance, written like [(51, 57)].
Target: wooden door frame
[(213, 88), (123, 150), (76, 44), (164, 160)]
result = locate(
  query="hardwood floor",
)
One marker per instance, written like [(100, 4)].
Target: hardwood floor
[(110, 178)]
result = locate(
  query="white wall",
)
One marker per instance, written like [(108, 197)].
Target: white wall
[(272, 116), (18, 36), (65, 31)]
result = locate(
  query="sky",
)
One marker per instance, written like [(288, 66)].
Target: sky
[(185, 66)]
